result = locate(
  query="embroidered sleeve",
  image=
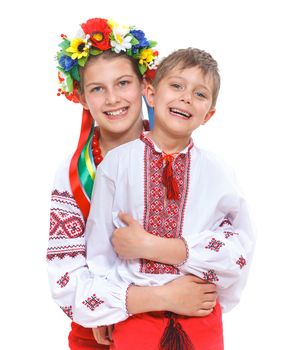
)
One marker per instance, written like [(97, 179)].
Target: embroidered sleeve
[(222, 255), (88, 299)]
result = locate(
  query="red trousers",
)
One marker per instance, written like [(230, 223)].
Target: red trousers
[(81, 338), (144, 331)]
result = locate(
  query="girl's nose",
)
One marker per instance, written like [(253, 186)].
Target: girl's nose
[(111, 97)]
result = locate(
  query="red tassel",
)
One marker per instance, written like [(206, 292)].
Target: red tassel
[(168, 179)]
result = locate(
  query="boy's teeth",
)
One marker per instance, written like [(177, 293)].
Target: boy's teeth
[(185, 114)]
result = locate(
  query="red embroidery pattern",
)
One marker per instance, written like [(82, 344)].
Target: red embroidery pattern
[(66, 251), (68, 311), (228, 234), (64, 224), (63, 197), (64, 280), (226, 222), (163, 217), (215, 245), (93, 302), (210, 276), (241, 262)]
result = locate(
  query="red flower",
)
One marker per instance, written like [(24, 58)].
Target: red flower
[(150, 74), (99, 32), (74, 96)]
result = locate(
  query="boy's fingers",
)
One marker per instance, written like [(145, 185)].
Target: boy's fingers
[(127, 219), (110, 330)]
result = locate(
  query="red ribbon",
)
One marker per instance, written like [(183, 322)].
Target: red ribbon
[(78, 192)]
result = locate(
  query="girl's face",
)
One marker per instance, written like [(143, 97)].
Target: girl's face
[(112, 93)]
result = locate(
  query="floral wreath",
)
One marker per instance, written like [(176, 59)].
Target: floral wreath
[(98, 35)]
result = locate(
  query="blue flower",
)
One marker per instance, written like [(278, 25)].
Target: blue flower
[(67, 63), (140, 36)]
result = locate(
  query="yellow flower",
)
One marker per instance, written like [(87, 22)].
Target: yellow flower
[(79, 48), (146, 56)]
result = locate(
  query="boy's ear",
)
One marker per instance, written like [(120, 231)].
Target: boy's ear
[(83, 101), (209, 115), (149, 94)]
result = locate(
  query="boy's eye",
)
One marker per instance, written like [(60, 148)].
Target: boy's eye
[(176, 86), (200, 94)]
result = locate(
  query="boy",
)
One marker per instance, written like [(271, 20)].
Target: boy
[(175, 191)]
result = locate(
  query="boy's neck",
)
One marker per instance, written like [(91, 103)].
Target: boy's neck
[(108, 141), (167, 143)]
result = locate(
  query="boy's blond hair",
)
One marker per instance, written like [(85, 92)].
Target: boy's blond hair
[(187, 58)]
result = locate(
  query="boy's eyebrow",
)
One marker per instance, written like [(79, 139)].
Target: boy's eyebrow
[(181, 78), (119, 78)]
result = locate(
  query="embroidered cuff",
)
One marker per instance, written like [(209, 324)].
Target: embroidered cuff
[(126, 299), (187, 253)]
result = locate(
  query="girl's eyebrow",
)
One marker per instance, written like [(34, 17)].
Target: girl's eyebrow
[(125, 76), (119, 78)]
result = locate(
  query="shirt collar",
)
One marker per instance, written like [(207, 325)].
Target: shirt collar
[(148, 141)]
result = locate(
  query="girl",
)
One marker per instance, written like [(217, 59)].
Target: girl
[(104, 69)]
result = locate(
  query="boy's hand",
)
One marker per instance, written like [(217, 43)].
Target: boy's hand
[(133, 242), (129, 242), (103, 335)]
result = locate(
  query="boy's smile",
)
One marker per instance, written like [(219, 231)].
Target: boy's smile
[(180, 113)]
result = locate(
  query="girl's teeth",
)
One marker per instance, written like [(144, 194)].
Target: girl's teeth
[(116, 112)]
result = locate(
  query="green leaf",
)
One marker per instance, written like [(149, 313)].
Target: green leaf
[(152, 43), (65, 44), (69, 82), (129, 52), (134, 41), (82, 61), (75, 73), (142, 68), (95, 52), (61, 69)]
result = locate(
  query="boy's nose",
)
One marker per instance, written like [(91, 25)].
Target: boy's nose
[(186, 97)]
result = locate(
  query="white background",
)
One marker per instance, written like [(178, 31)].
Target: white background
[(38, 129)]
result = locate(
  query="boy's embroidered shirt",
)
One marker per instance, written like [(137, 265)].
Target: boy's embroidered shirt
[(210, 215)]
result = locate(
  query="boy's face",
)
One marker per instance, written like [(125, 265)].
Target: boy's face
[(112, 94), (182, 101)]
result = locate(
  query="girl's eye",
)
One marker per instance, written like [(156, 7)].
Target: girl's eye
[(124, 82), (96, 89)]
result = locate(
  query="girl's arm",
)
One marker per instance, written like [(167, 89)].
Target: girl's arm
[(89, 299)]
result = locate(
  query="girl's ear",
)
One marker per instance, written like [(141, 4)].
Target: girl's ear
[(83, 101), (149, 94)]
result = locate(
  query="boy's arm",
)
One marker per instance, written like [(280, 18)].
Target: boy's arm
[(220, 255)]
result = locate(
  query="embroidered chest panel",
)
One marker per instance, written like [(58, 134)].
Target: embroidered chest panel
[(163, 217)]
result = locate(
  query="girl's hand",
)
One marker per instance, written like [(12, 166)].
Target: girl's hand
[(190, 296), (103, 335)]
